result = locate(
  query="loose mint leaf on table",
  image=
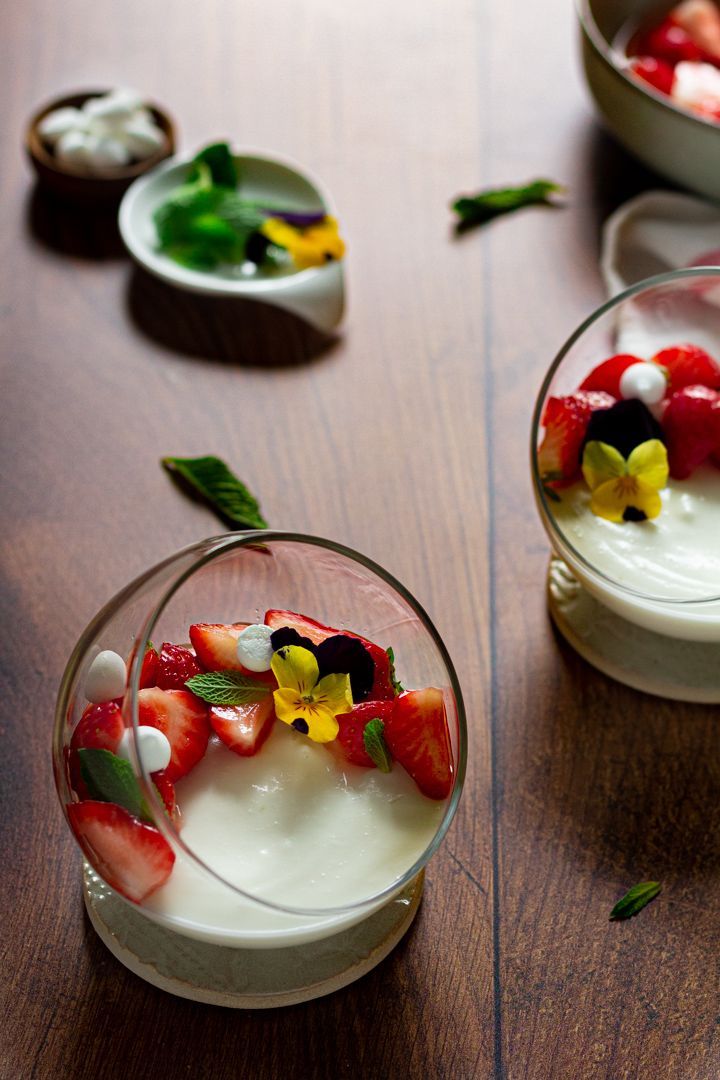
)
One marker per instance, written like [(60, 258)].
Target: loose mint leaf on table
[(227, 688), (396, 684), (110, 778), (635, 900), (477, 209), (227, 494), (375, 745)]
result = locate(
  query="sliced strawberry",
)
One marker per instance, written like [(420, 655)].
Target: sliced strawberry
[(657, 73), (669, 42), (134, 858), (148, 671), (606, 376), (691, 424), (166, 791), (182, 717), (689, 365), (100, 727), (175, 666), (352, 727), (565, 420), (382, 687), (215, 646), (243, 728), (306, 627), (417, 735)]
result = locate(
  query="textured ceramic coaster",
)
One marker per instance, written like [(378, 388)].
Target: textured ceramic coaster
[(667, 667), (246, 978)]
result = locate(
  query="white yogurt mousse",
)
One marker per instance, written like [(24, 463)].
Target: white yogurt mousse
[(294, 825), (673, 558)]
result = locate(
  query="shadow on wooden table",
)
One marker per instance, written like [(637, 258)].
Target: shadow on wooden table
[(231, 330), (76, 229), (218, 1043), (633, 778)]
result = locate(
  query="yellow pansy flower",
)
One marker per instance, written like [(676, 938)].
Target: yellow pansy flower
[(625, 490), (312, 246), (304, 700)]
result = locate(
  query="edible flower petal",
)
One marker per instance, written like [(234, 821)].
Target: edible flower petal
[(306, 704), (312, 246), (625, 490)]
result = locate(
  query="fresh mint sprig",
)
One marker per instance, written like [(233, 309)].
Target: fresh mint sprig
[(227, 688), (396, 684), (218, 485), (635, 900), (110, 778), (477, 209), (375, 745)]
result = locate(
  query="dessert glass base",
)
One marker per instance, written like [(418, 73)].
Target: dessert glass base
[(246, 978), (665, 666)]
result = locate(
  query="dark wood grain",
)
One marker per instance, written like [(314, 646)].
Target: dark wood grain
[(405, 436)]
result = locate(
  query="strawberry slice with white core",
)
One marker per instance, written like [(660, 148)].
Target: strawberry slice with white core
[(243, 728), (182, 717), (566, 420), (134, 858), (215, 646), (382, 687), (417, 735)]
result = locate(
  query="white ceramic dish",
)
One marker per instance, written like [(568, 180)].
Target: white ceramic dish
[(316, 294), (679, 145)]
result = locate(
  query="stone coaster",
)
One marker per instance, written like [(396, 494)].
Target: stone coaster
[(245, 978)]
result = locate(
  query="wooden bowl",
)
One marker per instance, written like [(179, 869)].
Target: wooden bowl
[(79, 186)]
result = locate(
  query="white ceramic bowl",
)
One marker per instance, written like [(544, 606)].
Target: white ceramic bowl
[(682, 147), (315, 294)]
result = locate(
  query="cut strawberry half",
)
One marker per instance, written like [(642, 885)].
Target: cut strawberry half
[(607, 376), (691, 424), (100, 727), (166, 791), (669, 42), (352, 728), (148, 671), (689, 365), (382, 688), (243, 728), (656, 73), (417, 735), (215, 646), (175, 666), (134, 858), (565, 420), (182, 718)]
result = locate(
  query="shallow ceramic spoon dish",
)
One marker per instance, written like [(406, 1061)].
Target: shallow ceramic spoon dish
[(315, 294)]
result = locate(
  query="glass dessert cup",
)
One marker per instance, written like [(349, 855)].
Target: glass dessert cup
[(641, 600), (282, 872)]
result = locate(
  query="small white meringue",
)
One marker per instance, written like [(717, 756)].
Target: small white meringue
[(154, 750), (254, 648), (59, 122), (106, 677), (72, 149), (644, 381)]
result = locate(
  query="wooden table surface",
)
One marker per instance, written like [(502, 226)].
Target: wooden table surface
[(406, 438)]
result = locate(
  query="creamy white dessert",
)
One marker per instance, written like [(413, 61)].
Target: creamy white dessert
[(673, 558), (296, 825)]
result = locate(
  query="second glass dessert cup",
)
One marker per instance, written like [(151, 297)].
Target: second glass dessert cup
[(639, 599), (278, 849)]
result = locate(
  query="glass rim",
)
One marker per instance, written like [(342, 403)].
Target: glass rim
[(548, 518), (606, 50), (207, 550)]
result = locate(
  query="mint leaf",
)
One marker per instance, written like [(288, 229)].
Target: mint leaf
[(227, 688), (220, 162), (397, 685), (635, 900), (375, 745), (477, 209), (227, 495), (110, 778)]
